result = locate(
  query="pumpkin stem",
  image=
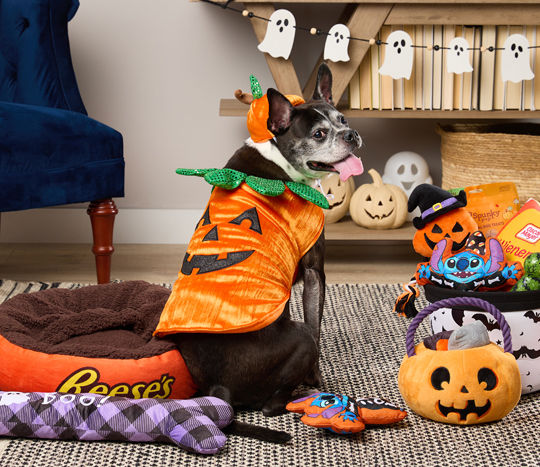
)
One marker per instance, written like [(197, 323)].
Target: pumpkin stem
[(243, 97), (377, 180)]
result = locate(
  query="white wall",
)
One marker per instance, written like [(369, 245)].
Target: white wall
[(155, 70)]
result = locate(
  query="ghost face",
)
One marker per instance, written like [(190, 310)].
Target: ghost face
[(407, 170), (515, 65), (279, 37), (337, 43), (457, 56), (398, 58)]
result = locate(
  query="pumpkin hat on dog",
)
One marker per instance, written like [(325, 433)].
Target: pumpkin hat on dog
[(257, 117)]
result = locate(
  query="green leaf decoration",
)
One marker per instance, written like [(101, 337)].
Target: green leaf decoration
[(309, 194), (266, 186), (225, 178), (231, 179), (194, 172), (256, 89)]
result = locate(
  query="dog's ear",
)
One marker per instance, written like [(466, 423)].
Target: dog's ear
[(280, 112), (323, 88)]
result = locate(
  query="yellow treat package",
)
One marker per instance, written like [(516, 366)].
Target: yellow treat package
[(492, 205), (521, 235)]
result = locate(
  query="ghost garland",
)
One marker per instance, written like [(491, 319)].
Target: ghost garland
[(281, 31)]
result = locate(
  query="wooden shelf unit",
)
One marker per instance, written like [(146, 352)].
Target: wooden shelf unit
[(347, 230), (365, 19), (234, 108)]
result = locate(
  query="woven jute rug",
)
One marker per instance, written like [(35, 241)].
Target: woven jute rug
[(363, 343)]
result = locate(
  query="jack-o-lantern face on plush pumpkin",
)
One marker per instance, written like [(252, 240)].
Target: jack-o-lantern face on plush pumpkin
[(455, 225), (464, 387), (379, 206), (339, 195)]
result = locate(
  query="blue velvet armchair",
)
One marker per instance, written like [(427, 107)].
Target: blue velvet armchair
[(51, 152)]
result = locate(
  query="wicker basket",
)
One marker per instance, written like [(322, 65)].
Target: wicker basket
[(474, 154)]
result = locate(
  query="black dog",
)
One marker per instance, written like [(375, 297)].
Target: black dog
[(261, 369)]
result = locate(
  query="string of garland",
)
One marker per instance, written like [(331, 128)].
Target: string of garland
[(319, 32)]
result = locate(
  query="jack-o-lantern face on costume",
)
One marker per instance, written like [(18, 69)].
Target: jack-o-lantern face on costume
[(210, 262), (463, 387), (341, 193), (455, 225)]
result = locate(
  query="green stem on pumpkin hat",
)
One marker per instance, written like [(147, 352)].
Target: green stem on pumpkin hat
[(231, 179), (256, 89)]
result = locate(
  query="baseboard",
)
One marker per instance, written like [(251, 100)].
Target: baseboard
[(70, 225)]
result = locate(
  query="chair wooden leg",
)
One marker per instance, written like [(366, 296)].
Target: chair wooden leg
[(102, 213)]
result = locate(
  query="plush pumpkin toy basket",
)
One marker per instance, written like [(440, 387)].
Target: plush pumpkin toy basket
[(521, 311), (465, 386)]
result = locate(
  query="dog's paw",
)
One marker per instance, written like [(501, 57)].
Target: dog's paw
[(276, 404), (314, 378), (270, 411)]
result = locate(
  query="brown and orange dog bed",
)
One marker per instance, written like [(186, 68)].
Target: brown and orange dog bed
[(95, 339)]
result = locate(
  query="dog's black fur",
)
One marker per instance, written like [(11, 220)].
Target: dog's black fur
[(260, 370)]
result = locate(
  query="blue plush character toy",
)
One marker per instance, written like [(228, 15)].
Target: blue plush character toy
[(481, 265)]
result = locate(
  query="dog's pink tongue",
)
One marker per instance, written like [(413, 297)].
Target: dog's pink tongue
[(348, 167)]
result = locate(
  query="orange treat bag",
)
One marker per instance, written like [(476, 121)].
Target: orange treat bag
[(521, 235), (492, 205)]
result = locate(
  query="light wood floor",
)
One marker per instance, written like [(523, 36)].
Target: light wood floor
[(345, 262)]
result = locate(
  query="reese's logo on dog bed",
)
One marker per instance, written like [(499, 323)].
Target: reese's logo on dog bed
[(87, 380)]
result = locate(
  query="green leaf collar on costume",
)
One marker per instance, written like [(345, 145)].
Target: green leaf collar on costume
[(231, 179)]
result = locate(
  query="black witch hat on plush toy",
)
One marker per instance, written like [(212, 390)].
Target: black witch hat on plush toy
[(433, 202), (442, 215)]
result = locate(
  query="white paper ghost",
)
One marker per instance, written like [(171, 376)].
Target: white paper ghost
[(337, 43), (457, 56), (515, 64), (398, 59), (407, 170), (279, 37)]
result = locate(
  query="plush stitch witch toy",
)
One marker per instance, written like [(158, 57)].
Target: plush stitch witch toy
[(442, 216), (253, 231)]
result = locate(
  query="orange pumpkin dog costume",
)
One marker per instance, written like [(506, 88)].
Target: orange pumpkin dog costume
[(241, 262), (242, 259)]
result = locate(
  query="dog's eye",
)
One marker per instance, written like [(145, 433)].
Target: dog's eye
[(319, 134), (343, 120)]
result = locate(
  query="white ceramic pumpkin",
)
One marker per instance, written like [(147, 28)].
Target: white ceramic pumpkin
[(341, 194), (377, 205)]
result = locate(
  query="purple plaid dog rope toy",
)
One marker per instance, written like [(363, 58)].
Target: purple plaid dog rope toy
[(192, 424)]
